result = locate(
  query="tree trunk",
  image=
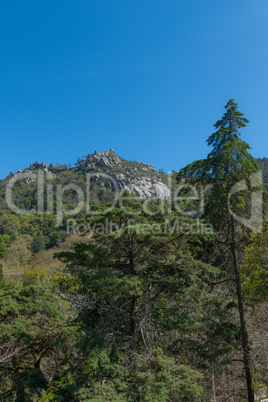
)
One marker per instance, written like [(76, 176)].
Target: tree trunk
[(133, 302), (213, 386), (133, 324), (244, 334)]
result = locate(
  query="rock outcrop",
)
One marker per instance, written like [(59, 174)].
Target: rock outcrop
[(135, 177), (107, 160), (144, 187)]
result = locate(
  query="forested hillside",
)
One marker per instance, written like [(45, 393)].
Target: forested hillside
[(152, 298), (22, 237)]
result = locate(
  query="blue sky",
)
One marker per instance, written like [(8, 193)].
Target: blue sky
[(148, 78)]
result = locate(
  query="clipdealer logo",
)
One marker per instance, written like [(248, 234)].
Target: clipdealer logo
[(254, 222), (54, 195)]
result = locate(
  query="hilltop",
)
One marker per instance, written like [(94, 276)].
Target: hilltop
[(106, 171), (29, 239)]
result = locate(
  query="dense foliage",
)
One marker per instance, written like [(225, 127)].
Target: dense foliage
[(152, 306)]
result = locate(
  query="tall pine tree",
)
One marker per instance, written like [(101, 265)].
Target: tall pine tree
[(226, 165)]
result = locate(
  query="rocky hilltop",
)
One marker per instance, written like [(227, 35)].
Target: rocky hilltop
[(135, 177), (108, 173)]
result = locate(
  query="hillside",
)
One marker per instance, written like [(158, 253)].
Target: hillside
[(106, 172), (100, 177)]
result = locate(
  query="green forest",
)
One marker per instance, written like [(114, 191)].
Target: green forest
[(169, 302)]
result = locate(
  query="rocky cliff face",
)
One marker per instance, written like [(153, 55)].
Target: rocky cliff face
[(135, 177)]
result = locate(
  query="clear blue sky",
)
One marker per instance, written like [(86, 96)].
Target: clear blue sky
[(148, 78)]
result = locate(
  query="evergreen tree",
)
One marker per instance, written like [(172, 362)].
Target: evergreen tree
[(32, 336), (138, 287), (227, 164)]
